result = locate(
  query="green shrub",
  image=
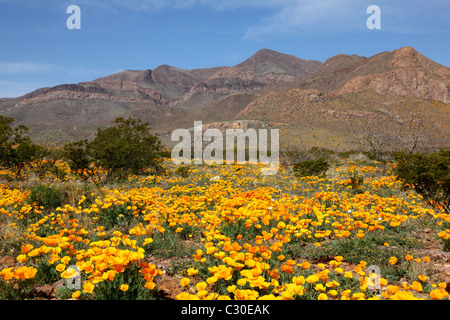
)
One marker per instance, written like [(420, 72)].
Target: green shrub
[(117, 216), (446, 245), (428, 174), (125, 148), (46, 196), (182, 171), (167, 245), (16, 289), (17, 152), (58, 172), (356, 181), (46, 273), (317, 167), (347, 154)]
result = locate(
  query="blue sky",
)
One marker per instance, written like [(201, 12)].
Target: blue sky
[(38, 50)]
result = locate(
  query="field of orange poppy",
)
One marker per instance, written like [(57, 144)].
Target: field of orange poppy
[(223, 233)]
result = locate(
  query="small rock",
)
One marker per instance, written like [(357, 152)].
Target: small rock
[(7, 260), (59, 284), (45, 289), (447, 270)]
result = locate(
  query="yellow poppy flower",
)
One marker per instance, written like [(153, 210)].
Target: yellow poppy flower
[(422, 277), (322, 296), (88, 287), (185, 281), (201, 285), (60, 267)]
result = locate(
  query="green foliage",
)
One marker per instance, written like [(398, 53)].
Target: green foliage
[(46, 162), (347, 154), (182, 171), (46, 273), (16, 289), (167, 245), (46, 196), (117, 217), (58, 172), (370, 249), (446, 245), (165, 153), (356, 181), (428, 174), (6, 131), (317, 167), (80, 159), (237, 227), (125, 148), (16, 149), (63, 293)]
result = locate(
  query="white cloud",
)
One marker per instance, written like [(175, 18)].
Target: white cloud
[(286, 15), (330, 16), (12, 68), (152, 5), (311, 15), (291, 16)]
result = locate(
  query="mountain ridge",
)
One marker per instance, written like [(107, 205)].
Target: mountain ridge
[(170, 97)]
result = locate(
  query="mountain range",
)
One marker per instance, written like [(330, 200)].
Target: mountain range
[(311, 102)]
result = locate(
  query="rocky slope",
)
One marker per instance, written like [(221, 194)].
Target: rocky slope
[(389, 88), (153, 95), (403, 72)]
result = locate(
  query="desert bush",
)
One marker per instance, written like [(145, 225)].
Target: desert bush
[(305, 168), (80, 160), (182, 171), (126, 148), (347, 154), (292, 154), (16, 149), (356, 181), (16, 289), (58, 172), (117, 216), (428, 174), (46, 196)]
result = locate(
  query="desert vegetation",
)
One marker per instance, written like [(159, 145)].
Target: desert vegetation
[(117, 214)]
